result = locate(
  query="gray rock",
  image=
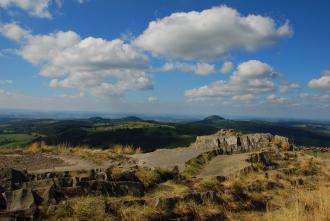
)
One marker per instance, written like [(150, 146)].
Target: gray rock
[(67, 182), (20, 199), (3, 203), (233, 142)]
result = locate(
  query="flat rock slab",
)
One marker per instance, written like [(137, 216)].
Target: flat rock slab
[(29, 161), (224, 165), (42, 163), (170, 157)]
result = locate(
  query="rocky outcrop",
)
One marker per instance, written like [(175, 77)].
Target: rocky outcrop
[(229, 141), (21, 193)]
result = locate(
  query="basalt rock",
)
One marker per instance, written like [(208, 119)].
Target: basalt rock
[(230, 141), (21, 193)]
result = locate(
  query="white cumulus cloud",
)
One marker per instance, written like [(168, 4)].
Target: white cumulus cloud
[(322, 83), (13, 31), (285, 88), (250, 79), (4, 93), (276, 100), (35, 8), (152, 99), (4, 82), (199, 68), (91, 65), (227, 67), (210, 33)]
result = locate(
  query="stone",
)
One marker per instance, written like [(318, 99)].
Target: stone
[(20, 199), (13, 178), (42, 195), (220, 178), (67, 182), (3, 203), (233, 142), (122, 188)]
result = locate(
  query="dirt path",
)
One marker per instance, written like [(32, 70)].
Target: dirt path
[(223, 165), (169, 157)]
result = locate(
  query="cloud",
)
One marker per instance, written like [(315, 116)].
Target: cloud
[(82, 1), (250, 79), (322, 83), (35, 8), (285, 88), (276, 100), (210, 34), (4, 82), (4, 93), (76, 96), (312, 98), (199, 68), (245, 97), (226, 67), (326, 72), (91, 65), (152, 99), (13, 31)]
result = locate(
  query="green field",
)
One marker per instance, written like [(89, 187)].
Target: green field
[(16, 140)]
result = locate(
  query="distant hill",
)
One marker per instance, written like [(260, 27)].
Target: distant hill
[(98, 120), (129, 119), (213, 119)]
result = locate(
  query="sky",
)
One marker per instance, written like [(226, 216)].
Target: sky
[(232, 58)]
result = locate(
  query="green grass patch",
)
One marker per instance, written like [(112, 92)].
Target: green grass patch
[(16, 140)]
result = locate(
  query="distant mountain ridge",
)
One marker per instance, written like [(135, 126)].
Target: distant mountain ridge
[(212, 119)]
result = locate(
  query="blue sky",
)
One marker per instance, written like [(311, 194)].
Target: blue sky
[(232, 58)]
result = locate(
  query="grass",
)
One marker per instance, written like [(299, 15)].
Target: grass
[(81, 208), (308, 205), (168, 189), (98, 156), (254, 196), (139, 213), (198, 212), (148, 177), (15, 140), (208, 184), (285, 199), (194, 165)]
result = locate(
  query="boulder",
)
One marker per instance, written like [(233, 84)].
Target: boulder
[(12, 178), (66, 182), (3, 203), (122, 188), (20, 199)]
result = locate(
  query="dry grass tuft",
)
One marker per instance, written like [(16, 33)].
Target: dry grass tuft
[(199, 212), (94, 154), (139, 213), (168, 189), (307, 205), (81, 208)]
